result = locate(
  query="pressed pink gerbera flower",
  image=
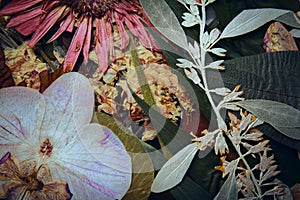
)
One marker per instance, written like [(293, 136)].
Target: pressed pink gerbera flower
[(94, 20)]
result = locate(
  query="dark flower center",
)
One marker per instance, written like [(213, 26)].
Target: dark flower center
[(46, 148), (97, 8)]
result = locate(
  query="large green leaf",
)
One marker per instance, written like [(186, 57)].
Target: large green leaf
[(189, 190), (174, 170), (164, 20), (273, 76), (281, 116), (143, 171), (228, 190), (248, 44), (249, 20)]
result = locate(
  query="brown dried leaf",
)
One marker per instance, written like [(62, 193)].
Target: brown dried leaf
[(6, 79), (277, 38), (48, 77)]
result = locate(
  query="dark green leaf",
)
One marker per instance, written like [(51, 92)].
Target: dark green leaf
[(164, 20), (189, 190), (281, 116), (228, 190), (273, 76), (174, 170), (143, 172), (249, 20)]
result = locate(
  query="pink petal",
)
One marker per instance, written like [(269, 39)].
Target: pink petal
[(142, 33), (87, 42), (101, 45), (25, 16), (18, 5), (76, 46), (64, 25), (71, 25), (124, 35), (126, 6), (44, 27), (29, 27)]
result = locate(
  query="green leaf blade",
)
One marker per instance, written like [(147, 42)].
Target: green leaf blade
[(174, 170), (228, 190), (281, 116), (165, 21), (249, 20)]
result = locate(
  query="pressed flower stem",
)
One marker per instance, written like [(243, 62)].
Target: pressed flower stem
[(51, 65), (146, 91), (221, 123), (201, 63), (242, 157), (5, 37)]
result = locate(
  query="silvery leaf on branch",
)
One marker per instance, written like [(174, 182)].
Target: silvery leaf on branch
[(271, 172), (249, 20), (207, 140), (233, 96), (281, 116), (281, 191), (205, 40), (190, 20), (194, 9), (195, 50), (246, 145), (209, 2), (258, 148), (174, 170), (218, 51), (216, 65), (247, 182), (265, 161), (253, 136), (221, 91), (191, 2), (290, 19), (245, 121), (165, 21), (230, 106), (295, 33), (184, 63), (192, 74), (214, 35), (221, 145)]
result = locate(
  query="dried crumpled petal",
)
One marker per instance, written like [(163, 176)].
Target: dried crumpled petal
[(169, 95), (24, 65), (29, 181), (277, 38)]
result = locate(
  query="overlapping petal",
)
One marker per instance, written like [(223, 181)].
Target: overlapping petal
[(22, 112), (89, 157)]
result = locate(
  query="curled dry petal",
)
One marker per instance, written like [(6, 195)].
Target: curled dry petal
[(18, 6), (76, 46), (28, 181), (44, 27), (20, 19), (39, 17)]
